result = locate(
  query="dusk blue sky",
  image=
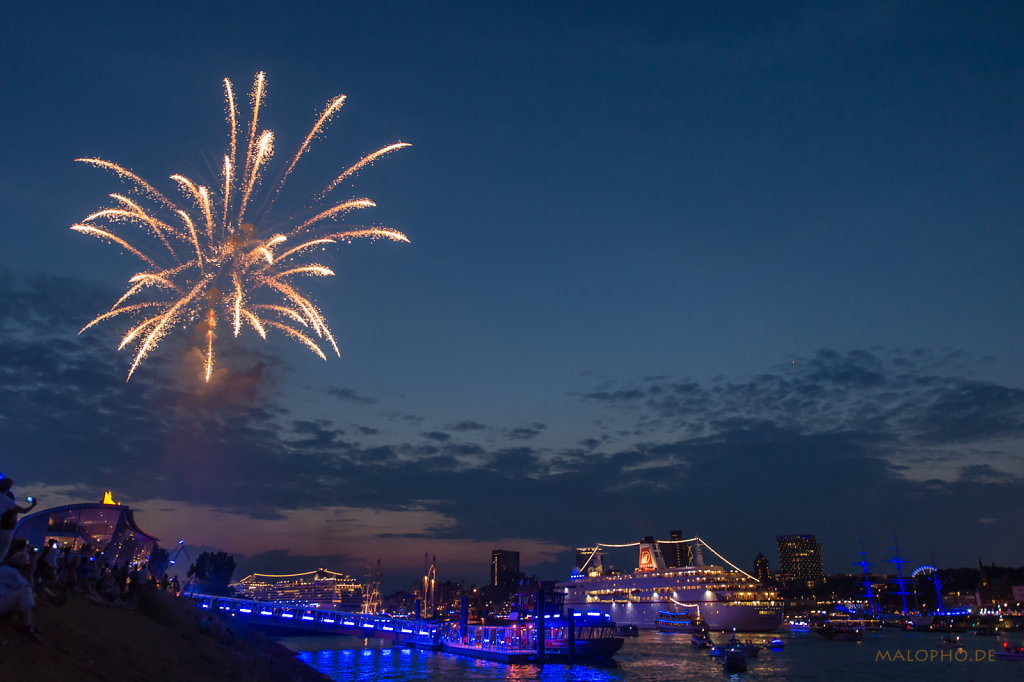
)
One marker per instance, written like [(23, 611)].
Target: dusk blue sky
[(741, 270)]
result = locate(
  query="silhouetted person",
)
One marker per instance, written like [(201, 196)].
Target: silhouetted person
[(16, 592), (9, 510)]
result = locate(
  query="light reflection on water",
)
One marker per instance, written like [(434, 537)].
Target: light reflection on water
[(656, 656)]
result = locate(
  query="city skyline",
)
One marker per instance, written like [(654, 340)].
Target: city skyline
[(739, 271)]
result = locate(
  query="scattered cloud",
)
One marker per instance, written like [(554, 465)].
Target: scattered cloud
[(525, 432), (466, 425), (902, 397), (348, 395), (896, 434)]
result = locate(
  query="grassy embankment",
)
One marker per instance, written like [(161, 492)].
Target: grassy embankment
[(160, 641)]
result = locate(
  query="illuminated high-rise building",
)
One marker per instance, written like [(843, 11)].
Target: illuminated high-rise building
[(590, 560), (674, 552), (504, 568), (800, 563), (762, 571)]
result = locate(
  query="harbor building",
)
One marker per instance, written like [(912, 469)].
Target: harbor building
[(676, 553), (800, 563), (762, 571), (106, 526), (504, 568)]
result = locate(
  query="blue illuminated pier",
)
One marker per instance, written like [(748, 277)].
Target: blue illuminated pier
[(303, 619), (583, 635)]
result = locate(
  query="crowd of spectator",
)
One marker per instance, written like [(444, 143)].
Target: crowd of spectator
[(57, 573)]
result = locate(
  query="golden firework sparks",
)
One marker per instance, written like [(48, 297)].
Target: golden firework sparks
[(368, 159), (217, 260)]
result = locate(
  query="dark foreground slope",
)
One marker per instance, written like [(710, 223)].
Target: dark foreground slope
[(162, 640)]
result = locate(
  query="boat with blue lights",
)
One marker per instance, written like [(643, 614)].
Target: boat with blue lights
[(566, 635), (720, 595), (680, 621), (748, 648)]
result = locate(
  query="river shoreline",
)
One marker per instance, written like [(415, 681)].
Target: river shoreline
[(162, 640)]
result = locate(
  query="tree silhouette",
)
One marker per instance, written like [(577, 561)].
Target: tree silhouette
[(159, 559), (213, 571)]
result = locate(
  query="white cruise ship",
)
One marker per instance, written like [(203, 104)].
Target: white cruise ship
[(725, 597), (320, 589)]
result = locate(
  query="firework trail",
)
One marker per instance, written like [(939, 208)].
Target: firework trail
[(207, 260)]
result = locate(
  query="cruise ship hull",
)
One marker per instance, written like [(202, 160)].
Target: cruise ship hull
[(720, 617), (742, 618)]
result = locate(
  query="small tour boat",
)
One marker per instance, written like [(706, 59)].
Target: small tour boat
[(748, 648), (734, 662), (673, 621), (701, 641), (841, 631), (1011, 653)]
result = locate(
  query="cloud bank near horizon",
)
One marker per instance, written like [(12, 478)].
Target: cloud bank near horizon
[(857, 444)]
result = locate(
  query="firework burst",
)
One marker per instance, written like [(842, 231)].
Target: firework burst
[(208, 264)]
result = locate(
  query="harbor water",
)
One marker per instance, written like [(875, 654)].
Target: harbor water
[(892, 655)]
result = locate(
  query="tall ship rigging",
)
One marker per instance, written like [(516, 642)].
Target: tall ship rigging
[(721, 595)]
